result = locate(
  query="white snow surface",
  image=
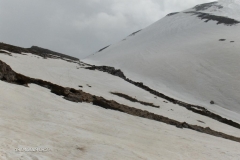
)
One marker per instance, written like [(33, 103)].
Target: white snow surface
[(181, 56), (34, 117)]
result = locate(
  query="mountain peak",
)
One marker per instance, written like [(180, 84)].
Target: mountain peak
[(224, 8), (191, 55)]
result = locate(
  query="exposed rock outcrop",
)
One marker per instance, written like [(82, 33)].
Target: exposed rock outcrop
[(110, 70), (171, 14), (220, 19), (134, 99), (45, 53), (100, 50), (135, 33), (13, 49), (6, 73), (4, 52)]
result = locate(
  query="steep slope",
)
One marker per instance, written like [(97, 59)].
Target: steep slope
[(191, 55), (36, 114), (67, 130)]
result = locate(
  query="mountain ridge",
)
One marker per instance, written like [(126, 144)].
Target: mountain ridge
[(35, 50)]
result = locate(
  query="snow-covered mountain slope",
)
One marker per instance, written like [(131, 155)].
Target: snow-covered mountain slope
[(192, 55), (34, 117), (74, 131)]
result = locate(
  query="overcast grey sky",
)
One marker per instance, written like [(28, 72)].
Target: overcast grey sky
[(80, 27)]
